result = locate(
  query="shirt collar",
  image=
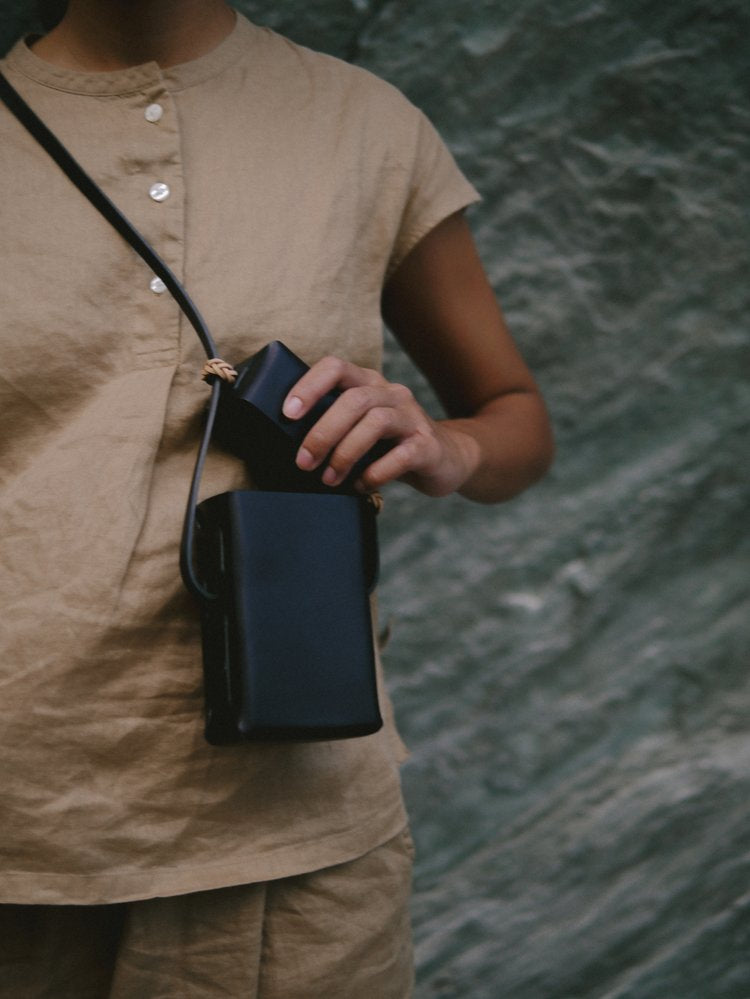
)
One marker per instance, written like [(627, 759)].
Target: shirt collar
[(134, 78)]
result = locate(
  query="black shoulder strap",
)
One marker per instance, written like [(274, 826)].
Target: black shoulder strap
[(30, 120)]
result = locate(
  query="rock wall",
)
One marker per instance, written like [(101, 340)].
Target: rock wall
[(570, 669)]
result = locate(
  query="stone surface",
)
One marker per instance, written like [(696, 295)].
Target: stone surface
[(571, 669)]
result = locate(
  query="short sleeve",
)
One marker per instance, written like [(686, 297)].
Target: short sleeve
[(437, 189)]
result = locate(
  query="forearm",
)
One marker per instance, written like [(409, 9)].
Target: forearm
[(490, 456), (503, 449), (497, 438)]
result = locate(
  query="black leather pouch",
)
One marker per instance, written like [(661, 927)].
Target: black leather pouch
[(287, 634), (250, 423)]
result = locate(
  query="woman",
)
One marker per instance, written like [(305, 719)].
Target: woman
[(297, 198)]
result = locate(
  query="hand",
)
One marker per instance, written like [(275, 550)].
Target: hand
[(432, 456), (442, 309)]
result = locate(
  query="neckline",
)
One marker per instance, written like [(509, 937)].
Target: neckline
[(135, 78)]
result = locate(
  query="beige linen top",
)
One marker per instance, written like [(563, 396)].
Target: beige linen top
[(291, 183)]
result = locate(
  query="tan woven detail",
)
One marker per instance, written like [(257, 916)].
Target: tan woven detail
[(377, 501), (216, 368)]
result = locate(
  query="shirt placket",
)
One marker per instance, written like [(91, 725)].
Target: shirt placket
[(155, 192)]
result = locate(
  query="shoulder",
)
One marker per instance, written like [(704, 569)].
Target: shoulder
[(325, 79)]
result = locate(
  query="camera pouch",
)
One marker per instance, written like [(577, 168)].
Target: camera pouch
[(287, 633)]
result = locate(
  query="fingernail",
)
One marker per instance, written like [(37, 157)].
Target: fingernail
[(292, 407), (305, 459), (330, 477)]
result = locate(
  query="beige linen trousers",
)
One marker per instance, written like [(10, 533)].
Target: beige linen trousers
[(339, 933)]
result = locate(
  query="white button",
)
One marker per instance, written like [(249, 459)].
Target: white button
[(159, 192), (153, 112), (157, 286)]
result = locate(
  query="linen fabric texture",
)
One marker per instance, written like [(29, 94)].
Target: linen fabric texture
[(293, 184)]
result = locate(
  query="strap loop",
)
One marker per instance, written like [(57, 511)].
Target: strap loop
[(377, 501), (216, 368)]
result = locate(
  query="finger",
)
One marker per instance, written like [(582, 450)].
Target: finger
[(405, 458), (324, 376), (391, 406), (377, 425)]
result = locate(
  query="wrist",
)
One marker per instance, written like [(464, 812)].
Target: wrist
[(459, 458), (464, 450)]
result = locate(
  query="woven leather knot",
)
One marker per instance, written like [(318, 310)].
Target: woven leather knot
[(216, 368)]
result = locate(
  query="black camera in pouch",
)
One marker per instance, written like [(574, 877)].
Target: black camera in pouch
[(250, 423)]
